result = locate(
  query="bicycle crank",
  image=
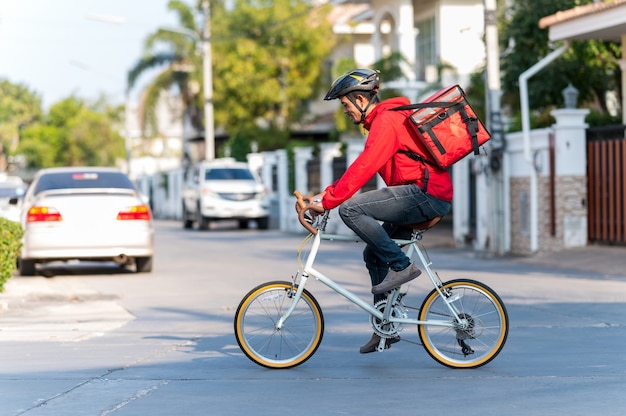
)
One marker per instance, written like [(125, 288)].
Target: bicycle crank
[(388, 329)]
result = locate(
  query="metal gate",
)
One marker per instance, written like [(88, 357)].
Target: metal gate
[(606, 173)]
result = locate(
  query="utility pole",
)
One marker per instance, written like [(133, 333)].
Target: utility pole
[(127, 130), (498, 228), (207, 67)]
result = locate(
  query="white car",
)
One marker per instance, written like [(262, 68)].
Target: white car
[(224, 189), (85, 213), (12, 190)]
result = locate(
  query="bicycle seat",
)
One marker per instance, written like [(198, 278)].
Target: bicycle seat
[(424, 225)]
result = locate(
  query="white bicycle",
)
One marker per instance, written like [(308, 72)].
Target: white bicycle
[(461, 323)]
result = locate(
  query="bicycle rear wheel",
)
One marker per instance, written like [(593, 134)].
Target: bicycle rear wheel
[(255, 326), (480, 335)]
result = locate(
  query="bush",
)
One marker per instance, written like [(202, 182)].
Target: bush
[(10, 244)]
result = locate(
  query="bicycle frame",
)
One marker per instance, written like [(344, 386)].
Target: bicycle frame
[(385, 317)]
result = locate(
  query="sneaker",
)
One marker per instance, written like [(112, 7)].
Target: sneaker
[(372, 344), (395, 279)]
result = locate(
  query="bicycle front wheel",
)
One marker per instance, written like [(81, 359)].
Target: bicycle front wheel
[(265, 344), (476, 337)]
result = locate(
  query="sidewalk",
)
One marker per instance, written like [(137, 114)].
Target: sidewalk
[(597, 259), (41, 309)]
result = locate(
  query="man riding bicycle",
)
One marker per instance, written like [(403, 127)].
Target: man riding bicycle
[(415, 192)]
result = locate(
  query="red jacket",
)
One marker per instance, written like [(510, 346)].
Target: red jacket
[(389, 132)]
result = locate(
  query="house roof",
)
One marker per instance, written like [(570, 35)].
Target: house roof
[(600, 21)]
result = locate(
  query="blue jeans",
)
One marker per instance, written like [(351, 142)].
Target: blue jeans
[(394, 206)]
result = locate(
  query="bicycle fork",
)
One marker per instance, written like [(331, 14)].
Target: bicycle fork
[(303, 279), (295, 298)]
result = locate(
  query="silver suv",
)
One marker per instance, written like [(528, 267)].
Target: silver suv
[(224, 189)]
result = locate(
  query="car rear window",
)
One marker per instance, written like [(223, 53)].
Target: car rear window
[(86, 179), (10, 192), (224, 174)]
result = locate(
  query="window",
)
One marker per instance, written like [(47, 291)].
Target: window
[(226, 174), (83, 180), (426, 47)]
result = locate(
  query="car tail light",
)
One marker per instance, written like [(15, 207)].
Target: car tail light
[(43, 214), (136, 212)]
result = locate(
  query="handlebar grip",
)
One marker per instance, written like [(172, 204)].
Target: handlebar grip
[(300, 200), (301, 208)]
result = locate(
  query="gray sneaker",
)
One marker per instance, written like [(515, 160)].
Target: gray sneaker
[(372, 344), (395, 279)]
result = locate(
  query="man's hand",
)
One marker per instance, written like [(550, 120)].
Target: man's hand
[(316, 203)]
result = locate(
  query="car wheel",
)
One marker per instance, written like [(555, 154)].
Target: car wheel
[(143, 264), (27, 267), (243, 224), (263, 223), (203, 222), (187, 222)]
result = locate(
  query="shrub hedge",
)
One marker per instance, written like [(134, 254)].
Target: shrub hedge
[(10, 244)]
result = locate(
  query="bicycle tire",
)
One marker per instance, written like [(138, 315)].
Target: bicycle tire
[(256, 332), (483, 311)]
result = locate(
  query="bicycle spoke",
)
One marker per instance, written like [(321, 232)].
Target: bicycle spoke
[(479, 333), (260, 338)]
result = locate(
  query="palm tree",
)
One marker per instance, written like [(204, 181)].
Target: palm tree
[(178, 51)]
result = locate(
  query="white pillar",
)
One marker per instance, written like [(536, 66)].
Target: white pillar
[(570, 141), (406, 37), (461, 201), (484, 219), (301, 157), (269, 161), (255, 162), (354, 149), (285, 200), (328, 151), (571, 163)]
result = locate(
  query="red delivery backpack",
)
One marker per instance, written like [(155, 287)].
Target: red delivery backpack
[(448, 127)]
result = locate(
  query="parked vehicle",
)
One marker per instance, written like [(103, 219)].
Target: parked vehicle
[(224, 189), (12, 189), (85, 213)]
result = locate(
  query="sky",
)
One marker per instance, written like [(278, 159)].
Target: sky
[(59, 48)]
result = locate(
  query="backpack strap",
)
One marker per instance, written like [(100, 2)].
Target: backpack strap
[(413, 155), (424, 162), (432, 104), (472, 128)]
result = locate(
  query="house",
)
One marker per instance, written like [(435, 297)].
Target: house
[(596, 177), (429, 34), (595, 21)]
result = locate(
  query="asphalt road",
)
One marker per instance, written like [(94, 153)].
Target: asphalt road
[(96, 341)]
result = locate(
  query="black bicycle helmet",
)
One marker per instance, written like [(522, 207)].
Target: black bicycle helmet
[(357, 80)]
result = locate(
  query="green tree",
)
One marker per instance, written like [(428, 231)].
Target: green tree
[(19, 107), (177, 54), (267, 62), (591, 66), (73, 134)]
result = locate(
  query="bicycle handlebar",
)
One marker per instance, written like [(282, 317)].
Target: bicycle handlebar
[(302, 206)]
